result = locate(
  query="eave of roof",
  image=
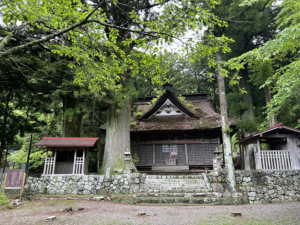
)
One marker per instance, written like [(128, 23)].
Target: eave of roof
[(67, 142), (275, 127), (161, 100)]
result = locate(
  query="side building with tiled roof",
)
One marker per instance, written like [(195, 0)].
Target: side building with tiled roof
[(175, 133)]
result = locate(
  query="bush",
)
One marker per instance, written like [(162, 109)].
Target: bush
[(3, 200)]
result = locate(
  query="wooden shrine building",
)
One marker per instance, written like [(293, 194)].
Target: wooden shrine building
[(175, 135), (69, 155), (282, 150)]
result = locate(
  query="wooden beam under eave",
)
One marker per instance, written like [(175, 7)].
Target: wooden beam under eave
[(280, 135), (66, 148)]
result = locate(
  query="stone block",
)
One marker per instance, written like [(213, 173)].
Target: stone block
[(275, 200), (226, 195), (235, 195), (252, 194), (188, 195), (98, 198), (207, 200), (218, 195)]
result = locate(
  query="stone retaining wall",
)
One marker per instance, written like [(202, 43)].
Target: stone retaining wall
[(86, 184), (257, 186), (264, 186)]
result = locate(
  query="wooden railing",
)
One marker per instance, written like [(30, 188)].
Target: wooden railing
[(49, 165), (275, 159)]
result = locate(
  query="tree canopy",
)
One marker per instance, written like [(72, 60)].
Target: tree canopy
[(282, 52)]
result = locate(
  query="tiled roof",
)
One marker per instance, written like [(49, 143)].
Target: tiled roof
[(66, 142), (275, 127)]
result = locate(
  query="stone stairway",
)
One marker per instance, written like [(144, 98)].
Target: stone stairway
[(181, 190)]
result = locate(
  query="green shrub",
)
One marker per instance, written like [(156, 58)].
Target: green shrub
[(3, 200)]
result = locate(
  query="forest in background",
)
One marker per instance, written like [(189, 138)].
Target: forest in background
[(39, 95)]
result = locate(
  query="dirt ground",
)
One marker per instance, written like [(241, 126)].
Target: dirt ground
[(99, 212)]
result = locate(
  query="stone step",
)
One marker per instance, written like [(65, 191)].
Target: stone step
[(160, 189), (200, 176), (182, 194), (186, 200)]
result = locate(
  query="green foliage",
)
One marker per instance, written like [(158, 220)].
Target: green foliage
[(105, 55), (45, 191), (190, 106), (135, 158), (227, 129), (3, 201), (138, 114), (282, 53), (133, 125), (37, 154), (247, 124)]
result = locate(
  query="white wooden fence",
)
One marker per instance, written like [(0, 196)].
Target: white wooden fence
[(276, 159), (78, 165), (49, 165)]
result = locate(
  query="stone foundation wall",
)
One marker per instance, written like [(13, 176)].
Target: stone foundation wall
[(264, 186), (258, 186), (86, 184)]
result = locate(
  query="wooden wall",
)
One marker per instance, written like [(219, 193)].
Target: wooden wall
[(186, 154)]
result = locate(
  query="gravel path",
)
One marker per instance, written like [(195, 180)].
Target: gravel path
[(113, 213)]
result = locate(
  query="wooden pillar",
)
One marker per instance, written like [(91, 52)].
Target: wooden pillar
[(75, 154), (153, 154), (246, 157), (292, 146), (87, 160), (186, 155), (83, 157), (54, 160), (257, 155), (45, 164)]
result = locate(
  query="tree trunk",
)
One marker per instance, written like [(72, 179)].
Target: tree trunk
[(229, 168), (246, 97), (117, 136), (248, 112), (99, 153), (73, 127), (273, 120)]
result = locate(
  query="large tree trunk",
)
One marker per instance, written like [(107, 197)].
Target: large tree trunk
[(72, 127), (229, 168), (117, 136), (248, 112), (273, 120), (246, 97)]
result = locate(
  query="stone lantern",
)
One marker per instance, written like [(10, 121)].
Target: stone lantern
[(218, 156), (127, 161)]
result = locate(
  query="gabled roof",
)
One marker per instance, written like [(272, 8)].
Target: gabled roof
[(283, 129), (67, 142), (203, 117), (174, 100)]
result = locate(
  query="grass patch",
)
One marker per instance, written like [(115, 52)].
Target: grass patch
[(3, 201)]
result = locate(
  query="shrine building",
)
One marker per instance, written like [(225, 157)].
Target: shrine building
[(175, 134)]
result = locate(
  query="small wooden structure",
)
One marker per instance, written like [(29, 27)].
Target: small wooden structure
[(283, 153), (69, 155), (175, 135)]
